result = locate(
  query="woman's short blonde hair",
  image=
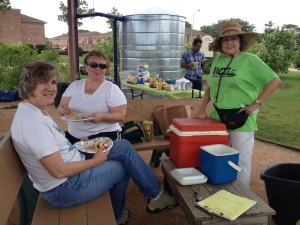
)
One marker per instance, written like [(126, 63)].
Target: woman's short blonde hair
[(35, 71)]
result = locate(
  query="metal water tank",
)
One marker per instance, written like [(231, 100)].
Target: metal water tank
[(153, 36)]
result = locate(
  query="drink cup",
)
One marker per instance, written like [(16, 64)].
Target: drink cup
[(148, 126)]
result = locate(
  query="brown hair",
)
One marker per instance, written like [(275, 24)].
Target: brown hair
[(96, 53), (34, 72)]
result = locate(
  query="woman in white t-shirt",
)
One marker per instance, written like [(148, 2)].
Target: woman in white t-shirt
[(95, 97), (62, 175)]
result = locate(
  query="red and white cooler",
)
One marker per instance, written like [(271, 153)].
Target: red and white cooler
[(187, 135)]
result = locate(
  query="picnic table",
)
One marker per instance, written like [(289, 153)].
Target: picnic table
[(259, 214), (169, 94)]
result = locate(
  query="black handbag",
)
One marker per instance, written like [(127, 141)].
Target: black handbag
[(132, 132), (230, 117)]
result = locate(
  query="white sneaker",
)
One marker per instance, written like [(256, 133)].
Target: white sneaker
[(125, 217), (162, 201)]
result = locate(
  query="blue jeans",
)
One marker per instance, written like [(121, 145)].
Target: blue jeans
[(113, 175)]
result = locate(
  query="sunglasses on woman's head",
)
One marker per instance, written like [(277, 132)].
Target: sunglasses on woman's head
[(95, 65)]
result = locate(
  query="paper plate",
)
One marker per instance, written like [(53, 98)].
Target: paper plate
[(89, 146), (75, 119)]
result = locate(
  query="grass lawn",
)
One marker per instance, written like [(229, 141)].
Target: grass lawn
[(279, 117)]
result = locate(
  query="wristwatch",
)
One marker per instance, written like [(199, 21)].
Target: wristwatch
[(258, 102)]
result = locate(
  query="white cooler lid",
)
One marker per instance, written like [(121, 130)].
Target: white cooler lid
[(195, 133)]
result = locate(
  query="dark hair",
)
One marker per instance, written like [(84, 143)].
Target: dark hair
[(197, 40), (34, 72), (96, 53)]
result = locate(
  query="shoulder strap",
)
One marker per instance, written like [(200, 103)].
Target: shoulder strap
[(216, 99)]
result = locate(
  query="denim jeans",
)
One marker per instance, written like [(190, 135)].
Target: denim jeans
[(113, 175)]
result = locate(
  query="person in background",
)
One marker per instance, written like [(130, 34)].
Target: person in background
[(247, 82), (58, 170), (193, 60), (98, 99)]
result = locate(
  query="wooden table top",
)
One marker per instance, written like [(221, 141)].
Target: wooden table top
[(261, 213)]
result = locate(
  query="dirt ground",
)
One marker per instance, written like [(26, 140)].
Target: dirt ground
[(264, 155)]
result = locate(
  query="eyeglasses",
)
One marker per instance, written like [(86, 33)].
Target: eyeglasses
[(95, 65)]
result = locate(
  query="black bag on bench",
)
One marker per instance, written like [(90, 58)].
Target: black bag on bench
[(132, 132)]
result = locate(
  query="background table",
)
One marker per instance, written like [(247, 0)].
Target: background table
[(169, 94)]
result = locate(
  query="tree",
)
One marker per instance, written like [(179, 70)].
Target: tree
[(294, 29), (297, 58), (5, 5), (82, 9), (277, 49), (188, 24), (213, 30), (110, 22), (269, 27)]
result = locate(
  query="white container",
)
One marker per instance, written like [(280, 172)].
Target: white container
[(188, 176)]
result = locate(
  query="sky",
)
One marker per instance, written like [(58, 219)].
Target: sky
[(256, 12)]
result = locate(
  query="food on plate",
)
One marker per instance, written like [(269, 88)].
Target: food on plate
[(101, 143), (75, 115)]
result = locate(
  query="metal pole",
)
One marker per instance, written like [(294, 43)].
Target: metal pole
[(115, 52), (193, 24)]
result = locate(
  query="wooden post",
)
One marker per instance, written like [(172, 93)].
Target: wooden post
[(73, 38)]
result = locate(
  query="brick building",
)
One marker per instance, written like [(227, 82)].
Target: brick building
[(16, 28), (85, 39)]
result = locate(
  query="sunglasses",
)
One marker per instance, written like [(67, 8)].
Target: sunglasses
[(95, 65)]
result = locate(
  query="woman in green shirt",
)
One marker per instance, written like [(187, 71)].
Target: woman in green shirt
[(242, 80)]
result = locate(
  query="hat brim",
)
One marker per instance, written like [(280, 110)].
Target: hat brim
[(249, 39)]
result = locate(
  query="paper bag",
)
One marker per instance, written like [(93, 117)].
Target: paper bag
[(164, 115)]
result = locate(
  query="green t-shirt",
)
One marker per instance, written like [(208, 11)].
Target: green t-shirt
[(241, 83)]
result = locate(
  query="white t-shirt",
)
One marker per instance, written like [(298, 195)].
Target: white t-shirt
[(35, 136), (108, 94)]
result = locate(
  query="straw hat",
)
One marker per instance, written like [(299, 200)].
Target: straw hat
[(231, 28)]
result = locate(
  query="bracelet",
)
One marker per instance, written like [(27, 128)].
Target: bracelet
[(258, 102)]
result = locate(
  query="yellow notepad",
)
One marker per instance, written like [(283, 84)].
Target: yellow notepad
[(226, 204)]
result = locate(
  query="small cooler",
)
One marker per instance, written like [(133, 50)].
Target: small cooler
[(187, 135), (219, 163)]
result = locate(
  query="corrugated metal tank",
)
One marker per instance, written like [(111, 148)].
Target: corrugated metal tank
[(153, 36)]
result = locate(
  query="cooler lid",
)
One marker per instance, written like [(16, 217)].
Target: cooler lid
[(198, 124)]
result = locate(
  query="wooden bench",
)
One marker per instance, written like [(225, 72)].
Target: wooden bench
[(139, 110), (15, 184)]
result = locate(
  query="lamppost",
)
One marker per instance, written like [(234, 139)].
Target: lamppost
[(193, 24)]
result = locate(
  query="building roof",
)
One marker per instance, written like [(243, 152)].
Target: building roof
[(31, 19), (188, 30), (85, 35)]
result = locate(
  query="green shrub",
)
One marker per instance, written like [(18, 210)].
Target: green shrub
[(65, 75), (49, 56), (40, 48), (12, 59)]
